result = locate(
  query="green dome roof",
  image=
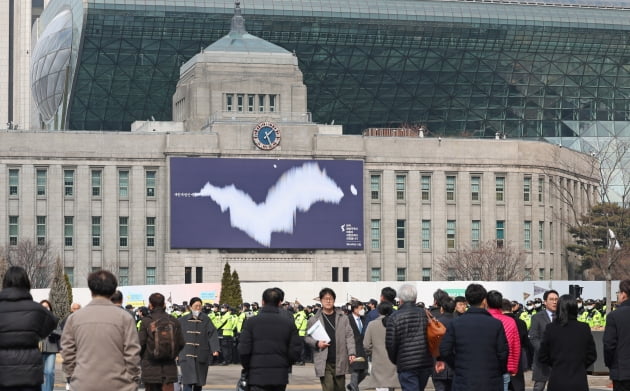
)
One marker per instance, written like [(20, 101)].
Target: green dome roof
[(239, 40)]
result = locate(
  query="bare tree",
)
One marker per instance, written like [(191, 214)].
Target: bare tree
[(485, 263), (38, 261)]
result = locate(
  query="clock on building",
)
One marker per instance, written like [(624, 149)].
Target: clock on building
[(266, 135)]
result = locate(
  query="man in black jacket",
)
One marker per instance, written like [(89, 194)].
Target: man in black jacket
[(269, 345), (617, 340), (475, 346), (406, 341)]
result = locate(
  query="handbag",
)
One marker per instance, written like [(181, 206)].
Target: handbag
[(435, 332), (243, 382)]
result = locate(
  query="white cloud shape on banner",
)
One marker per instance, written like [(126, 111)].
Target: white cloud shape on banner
[(295, 191)]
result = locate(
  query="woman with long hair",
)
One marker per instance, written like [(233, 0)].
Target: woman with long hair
[(49, 348), (568, 348)]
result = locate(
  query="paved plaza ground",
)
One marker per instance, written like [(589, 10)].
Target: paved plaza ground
[(223, 378)]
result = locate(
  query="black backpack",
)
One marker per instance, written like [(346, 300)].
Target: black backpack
[(161, 340)]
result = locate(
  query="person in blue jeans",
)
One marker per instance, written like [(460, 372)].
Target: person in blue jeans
[(50, 348)]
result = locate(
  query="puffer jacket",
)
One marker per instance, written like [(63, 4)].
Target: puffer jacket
[(23, 323), (406, 338)]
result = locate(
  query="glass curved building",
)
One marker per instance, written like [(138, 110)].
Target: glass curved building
[(553, 70)]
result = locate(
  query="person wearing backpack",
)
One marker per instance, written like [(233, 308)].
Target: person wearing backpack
[(161, 339)]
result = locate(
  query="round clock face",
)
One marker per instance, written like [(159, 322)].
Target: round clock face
[(266, 135)]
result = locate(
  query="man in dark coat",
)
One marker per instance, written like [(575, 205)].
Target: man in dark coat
[(202, 341), (156, 373), (406, 341), (475, 346), (269, 345), (540, 371), (357, 322), (23, 323), (617, 340)]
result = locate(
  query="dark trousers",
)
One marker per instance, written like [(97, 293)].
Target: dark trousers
[(621, 385), (414, 379), (273, 387), (226, 348), (517, 382), (442, 384), (331, 382)]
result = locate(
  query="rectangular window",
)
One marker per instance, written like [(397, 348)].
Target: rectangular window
[(551, 273), (450, 274), (68, 231), (400, 234), (42, 181), (401, 274), (500, 233), (376, 274), (14, 229), (475, 234), (541, 235), (150, 183), (199, 274), (150, 276), (229, 102), (123, 231), (475, 186), (500, 188), (551, 235), (528, 274), (96, 231), (68, 183), (41, 230), (541, 189), (150, 231), (376, 234), (375, 186), (426, 274), (335, 274), (541, 273), (345, 274), (272, 103), (14, 181), (450, 188), (69, 271), (450, 234), (400, 187), (239, 102), (123, 184), (425, 186), (123, 276), (188, 275), (250, 103), (261, 103), (96, 182), (527, 189), (426, 234), (527, 235)]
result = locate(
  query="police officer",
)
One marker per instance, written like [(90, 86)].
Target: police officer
[(300, 319)]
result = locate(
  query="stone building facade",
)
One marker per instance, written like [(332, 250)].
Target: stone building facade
[(103, 199)]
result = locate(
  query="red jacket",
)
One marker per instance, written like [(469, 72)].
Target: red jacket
[(511, 334)]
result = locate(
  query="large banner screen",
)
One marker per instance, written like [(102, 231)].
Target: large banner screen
[(266, 203)]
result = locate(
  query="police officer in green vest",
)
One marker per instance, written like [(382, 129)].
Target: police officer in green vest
[(591, 315), (227, 328), (301, 319)]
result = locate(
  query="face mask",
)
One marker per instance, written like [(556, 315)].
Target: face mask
[(223, 310), (196, 313), (579, 305), (589, 307), (538, 305), (529, 307), (361, 312)]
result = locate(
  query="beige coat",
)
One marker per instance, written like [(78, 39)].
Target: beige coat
[(344, 338), (383, 373), (100, 348)]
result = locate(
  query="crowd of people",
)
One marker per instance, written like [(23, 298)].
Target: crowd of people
[(489, 344)]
